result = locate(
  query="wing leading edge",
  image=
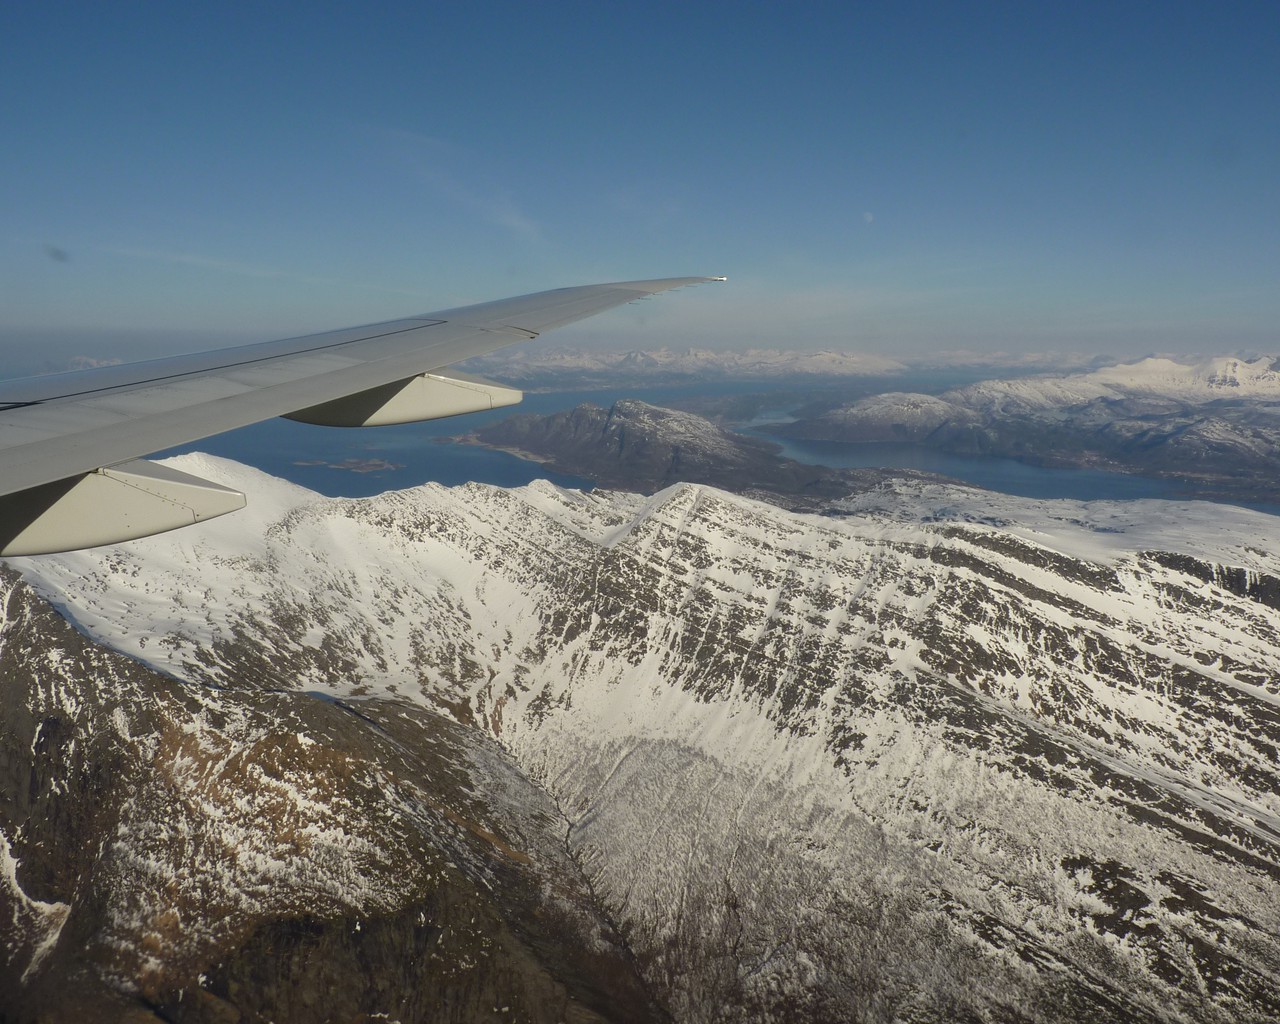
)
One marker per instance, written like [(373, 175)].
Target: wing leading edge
[(70, 443)]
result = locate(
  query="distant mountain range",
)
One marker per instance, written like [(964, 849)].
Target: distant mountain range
[(581, 367), (934, 754), (1214, 425), (541, 366)]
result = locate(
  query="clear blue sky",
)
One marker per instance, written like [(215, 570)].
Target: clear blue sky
[(893, 177)]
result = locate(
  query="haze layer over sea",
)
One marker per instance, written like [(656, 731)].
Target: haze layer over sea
[(362, 462)]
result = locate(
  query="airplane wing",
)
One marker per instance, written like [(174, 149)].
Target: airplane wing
[(70, 443)]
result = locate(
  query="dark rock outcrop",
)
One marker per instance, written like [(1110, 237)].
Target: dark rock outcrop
[(175, 852), (641, 447)]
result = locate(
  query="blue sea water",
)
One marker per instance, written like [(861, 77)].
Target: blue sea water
[(360, 462)]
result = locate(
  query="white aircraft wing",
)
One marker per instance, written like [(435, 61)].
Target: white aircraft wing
[(70, 442)]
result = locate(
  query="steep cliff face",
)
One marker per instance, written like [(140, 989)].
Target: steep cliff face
[(178, 852), (934, 754)]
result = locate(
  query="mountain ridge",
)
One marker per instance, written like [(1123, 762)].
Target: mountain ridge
[(176, 852), (1014, 759)]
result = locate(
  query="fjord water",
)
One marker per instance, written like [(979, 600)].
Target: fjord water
[(1008, 476), (361, 462)]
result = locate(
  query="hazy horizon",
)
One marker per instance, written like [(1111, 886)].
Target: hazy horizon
[(893, 179), (38, 351)]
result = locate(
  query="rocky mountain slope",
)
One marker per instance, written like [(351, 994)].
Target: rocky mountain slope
[(934, 755), (1215, 425), (641, 447), (185, 853)]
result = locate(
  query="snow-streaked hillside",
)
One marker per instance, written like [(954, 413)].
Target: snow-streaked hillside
[(937, 752), (185, 853), (1221, 374), (1213, 426), (1221, 377)]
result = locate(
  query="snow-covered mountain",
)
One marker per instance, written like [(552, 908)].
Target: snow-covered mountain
[(176, 852), (1211, 380), (1213, 425), (936, 754)]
